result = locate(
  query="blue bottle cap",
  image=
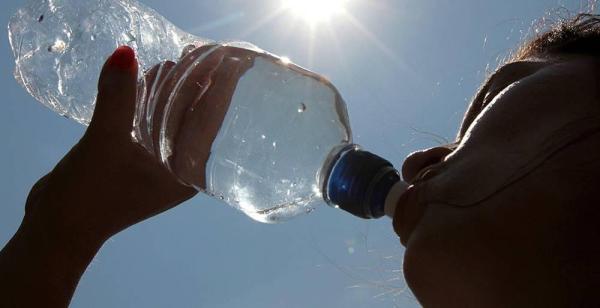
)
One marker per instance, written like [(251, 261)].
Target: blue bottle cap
[(359, 183)]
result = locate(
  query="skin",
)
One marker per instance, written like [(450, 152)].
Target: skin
[(106, 183), (508, 216)]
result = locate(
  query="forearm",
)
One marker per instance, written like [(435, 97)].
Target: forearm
[(105, 184), (68, 216), (42, 264)]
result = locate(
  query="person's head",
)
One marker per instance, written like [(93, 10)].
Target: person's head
[(509, 215)]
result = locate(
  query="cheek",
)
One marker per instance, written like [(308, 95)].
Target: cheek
[(511, 243), (511, 138)]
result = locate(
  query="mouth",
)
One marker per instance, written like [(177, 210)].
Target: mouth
[(408, 213)]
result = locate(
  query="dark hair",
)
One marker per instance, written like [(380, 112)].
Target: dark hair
[(576, 35)]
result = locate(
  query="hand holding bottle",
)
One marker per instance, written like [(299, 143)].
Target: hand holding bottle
[(107, 182), (184, 104)]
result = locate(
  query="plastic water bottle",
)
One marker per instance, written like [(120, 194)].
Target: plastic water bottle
[(274, 143)]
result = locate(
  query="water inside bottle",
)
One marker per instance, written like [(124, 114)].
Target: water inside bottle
[(273, 177), (262, 148), (60, 47)]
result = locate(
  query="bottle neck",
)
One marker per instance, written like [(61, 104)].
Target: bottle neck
[(392, 198), (363, 184)]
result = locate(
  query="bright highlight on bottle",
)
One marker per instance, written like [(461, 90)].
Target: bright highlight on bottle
[(285, 60), (315, 11)]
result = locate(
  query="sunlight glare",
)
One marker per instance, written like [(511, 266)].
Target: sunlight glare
[(285, 60), (315, 11)]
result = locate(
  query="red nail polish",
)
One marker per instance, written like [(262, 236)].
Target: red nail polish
[(123, 58)]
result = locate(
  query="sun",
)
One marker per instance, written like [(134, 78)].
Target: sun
[(315, 11)]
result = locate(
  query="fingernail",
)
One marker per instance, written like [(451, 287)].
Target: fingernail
[(123, 58)]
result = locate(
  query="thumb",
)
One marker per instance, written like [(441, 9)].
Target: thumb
[(117, 89)]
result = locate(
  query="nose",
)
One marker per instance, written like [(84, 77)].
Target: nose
[(417, 161)]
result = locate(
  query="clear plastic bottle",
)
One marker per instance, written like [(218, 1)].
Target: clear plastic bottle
[(262, 134)]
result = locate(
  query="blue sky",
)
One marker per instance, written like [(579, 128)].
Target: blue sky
[(406, 68)]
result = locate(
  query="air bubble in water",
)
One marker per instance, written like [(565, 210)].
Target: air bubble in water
[(302, 108)]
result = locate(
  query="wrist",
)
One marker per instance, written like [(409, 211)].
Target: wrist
[(68, 209), (56, 237), (51, 217)]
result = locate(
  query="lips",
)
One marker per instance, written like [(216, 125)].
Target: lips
[(408, 213)]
